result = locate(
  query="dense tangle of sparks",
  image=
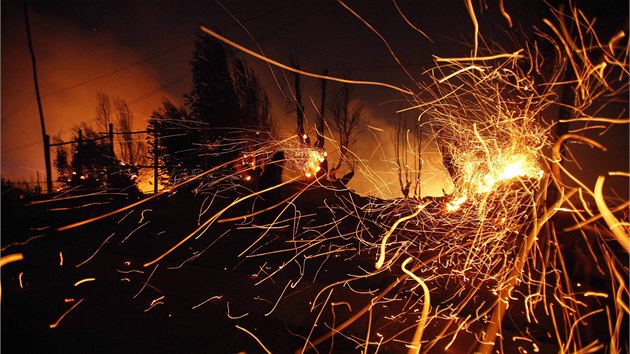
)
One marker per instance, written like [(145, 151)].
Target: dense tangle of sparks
[(483, 267)]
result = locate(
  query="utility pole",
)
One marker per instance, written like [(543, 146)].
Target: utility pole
[(320, 118), (111, 138), (45, 137), (156, 161)]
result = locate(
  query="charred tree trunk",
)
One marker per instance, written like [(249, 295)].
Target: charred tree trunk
[(320, 117), (299, 106)]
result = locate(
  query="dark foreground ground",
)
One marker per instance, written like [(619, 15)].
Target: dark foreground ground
[(87, 289), (190, 302)]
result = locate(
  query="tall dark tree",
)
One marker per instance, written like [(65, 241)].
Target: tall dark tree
[(130, 147), (104, 111), (299, 106), (224, 114), (407, 143), (345, 120), (254, 106), (212, 98), (62, 165), (179, 137), (319, 127)]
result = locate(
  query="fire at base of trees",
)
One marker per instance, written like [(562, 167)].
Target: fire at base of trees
[(197, 135), (225, 117)]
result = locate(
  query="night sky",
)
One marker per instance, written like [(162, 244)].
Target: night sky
[(139, 51)]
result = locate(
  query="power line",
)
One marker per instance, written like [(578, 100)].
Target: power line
[(296, 20), (21, 147), (150, 93), (120, 69), (181, 77), (24, 104), (255, 17), (158, 89), (137, 99), (172, 49), (390, 66), (19, 107)]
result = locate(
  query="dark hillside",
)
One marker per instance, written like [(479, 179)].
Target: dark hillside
[(102, 286)]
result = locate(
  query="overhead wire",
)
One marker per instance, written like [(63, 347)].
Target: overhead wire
[(19, 108), (152, 92), (24, 104), (166, 51), (21, 147)]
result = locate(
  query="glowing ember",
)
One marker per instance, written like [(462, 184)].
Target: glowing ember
[(501, 167), (456, 203), (314, 159)]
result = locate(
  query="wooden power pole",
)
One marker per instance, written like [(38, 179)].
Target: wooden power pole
[(45, 137)]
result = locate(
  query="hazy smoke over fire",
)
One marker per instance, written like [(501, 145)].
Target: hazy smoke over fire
[(73, 65)]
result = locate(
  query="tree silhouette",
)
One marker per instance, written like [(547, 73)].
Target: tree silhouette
[(61, 163), (408, 141), (104, 111), (131, 149), (226, 113), (178, 138), (345, 120), (254, 106), (319, 126), (212, 99), (92, 165)]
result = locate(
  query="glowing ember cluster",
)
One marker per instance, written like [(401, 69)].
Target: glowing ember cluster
[(484, 175), (487, 122), (303, 159), (314, 159), (247, 166)]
